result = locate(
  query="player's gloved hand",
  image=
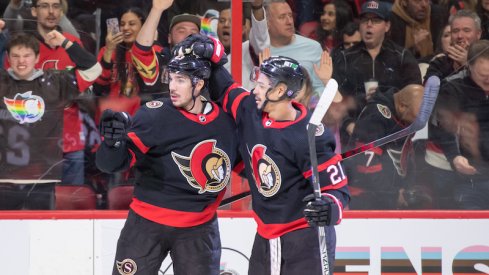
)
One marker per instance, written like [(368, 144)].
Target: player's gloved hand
[(113, 126), (202, 46), (323, 212)]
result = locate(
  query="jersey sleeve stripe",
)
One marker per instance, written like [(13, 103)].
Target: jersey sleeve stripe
[(133, 158), (137, 141), (338, 202), (236, 102), (226, 96)]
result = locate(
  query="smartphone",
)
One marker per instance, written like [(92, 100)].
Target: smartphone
[(112, 25)]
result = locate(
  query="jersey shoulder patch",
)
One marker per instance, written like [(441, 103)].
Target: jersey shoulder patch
[(154, 104), (384, 110)]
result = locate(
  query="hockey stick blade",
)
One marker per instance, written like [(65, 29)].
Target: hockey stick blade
[(431, 90)]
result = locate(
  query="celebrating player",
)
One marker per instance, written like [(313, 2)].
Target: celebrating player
[(273, 144), (182, 149)]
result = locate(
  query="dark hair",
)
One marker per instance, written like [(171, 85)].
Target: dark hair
[(350, 29), (344, 15), (120, 56), (439, 44), (23, 39), (34, 2), (477, 50)]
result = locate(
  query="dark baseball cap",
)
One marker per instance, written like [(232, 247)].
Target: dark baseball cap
[(380, 9), (185, 17)]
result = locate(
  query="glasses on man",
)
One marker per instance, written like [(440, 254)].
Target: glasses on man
[(47, 6), (373, 20)]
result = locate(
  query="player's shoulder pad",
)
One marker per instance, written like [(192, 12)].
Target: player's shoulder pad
[(384, 111)]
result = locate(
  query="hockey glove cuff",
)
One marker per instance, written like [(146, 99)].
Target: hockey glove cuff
[(322, 212)]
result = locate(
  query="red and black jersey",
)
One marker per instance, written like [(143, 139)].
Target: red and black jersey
[(30, 125), (385, 163), (277, 160), (182, 162)]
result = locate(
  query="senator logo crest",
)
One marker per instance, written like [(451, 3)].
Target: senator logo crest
[(25, 108), (127, 267), (384, 110), (207, 169), (265, 171)]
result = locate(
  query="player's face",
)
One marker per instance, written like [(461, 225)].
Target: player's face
[(464, 31), (373, 30), (130, 27), (224, 28), (263, 84), (22, 61), (180, 31), (180, 90), (479, 72), (48, 13)]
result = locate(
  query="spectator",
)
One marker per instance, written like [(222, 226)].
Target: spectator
[(374, 65), (33, 102), (48, 14), (443, 41), (460, 115), (22, 17), (183, 148), (415, 25), (465, 29), (119, 81), (483, 12), (259, 40), (284, 41), (336, 14), (224, 29), (380, 173), (351, 36)]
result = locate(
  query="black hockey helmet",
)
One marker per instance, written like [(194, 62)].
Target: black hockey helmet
[(190, 65), (285, 70)]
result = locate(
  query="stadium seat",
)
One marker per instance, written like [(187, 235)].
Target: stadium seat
[(119, 197), (75, 197)]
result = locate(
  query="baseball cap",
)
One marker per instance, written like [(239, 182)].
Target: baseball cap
[(185, 17), (380, 9)]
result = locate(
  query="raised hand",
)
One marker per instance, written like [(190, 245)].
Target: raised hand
[(2, 25), (264, 55), (325, 69), (55, 39), (162, 4)]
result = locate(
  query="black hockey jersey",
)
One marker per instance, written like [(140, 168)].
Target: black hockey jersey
[(31, 123), (380, 170), (276, 156), (182, 161)]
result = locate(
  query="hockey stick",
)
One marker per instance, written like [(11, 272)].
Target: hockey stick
[(430, 94), (315, 121), (431, 90)]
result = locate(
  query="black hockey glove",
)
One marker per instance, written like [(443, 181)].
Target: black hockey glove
[(323, 212), (202, 46), (113, 126)]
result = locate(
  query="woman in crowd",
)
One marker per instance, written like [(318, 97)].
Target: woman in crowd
[(335, 15)]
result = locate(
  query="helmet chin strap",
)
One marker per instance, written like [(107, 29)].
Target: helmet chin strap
[(194, 97), (267, 99)]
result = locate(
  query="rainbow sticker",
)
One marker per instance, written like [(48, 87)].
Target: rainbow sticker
[(25, 108)]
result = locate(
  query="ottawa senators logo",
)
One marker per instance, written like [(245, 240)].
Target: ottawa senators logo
[(208, 168), (265, 171)]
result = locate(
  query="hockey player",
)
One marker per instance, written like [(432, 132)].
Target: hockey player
[(32, 104), (382, 173), (182, 149), (273, 144)]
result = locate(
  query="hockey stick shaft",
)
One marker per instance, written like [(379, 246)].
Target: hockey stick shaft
[(323, 105)]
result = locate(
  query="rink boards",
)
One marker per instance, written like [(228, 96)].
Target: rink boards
[(422, 242)]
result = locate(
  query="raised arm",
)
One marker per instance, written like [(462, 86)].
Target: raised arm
[(147, 33)]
